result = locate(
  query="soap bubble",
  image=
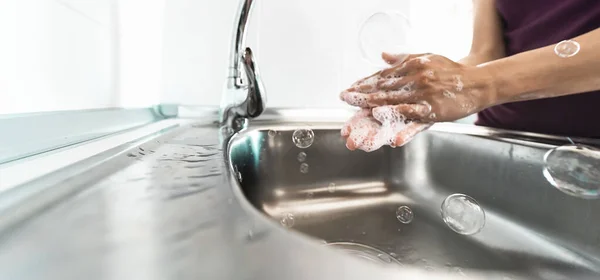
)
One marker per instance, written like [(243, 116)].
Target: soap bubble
[(303, 138), (567, 48), (302, 157), (384, 32), (574, 169), (304, 168), (463, 214), (404, 214), (288, 220), (272, 133)]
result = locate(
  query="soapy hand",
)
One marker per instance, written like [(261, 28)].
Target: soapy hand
[(425, 88), (370, 129)]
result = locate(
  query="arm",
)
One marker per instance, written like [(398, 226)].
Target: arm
[(541, 73), (451, 90), (487, 44)]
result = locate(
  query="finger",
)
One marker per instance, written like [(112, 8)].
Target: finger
[(393, 59), (409, 132), (360, 131), (387, 97), (408, 111), (408, 67), (368, 84), (347, 127), (365, 140), (354, 98)]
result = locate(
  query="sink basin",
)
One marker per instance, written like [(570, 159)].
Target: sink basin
[(335, 195)]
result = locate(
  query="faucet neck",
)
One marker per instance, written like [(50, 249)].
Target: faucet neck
[(239, 40)]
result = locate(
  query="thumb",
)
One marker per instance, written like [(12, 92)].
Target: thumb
[(393, 59)]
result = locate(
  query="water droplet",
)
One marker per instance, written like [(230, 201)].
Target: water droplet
[(384, 258), (310, 195), (364, 233), (567, 48), (323, 242), (303, 138), (331, 188), (304, 168), (573, 169), (394, 255), (404, 214), (288, 220), (302, 157), (272, 133), (239, 175), (250, 234), (463, 214)]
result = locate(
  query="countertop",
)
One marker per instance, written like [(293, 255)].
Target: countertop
[(164, 208)]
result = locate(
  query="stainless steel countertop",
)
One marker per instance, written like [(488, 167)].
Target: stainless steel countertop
[(165, 209)]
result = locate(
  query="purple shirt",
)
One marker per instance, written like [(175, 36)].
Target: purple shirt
[(531, 24)]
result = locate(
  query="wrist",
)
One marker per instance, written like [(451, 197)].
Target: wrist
[(486, 86)]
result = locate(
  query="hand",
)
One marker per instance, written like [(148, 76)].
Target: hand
[(370, 129), (425, 88)]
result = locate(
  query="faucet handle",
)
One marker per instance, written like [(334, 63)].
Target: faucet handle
[(256, 99)]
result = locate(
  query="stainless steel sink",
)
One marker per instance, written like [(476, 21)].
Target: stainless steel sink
[(531, 229)]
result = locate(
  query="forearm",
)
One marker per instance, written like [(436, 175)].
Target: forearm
[(541, 73), (474, 59)]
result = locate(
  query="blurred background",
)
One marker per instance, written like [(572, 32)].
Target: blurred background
[(60, 55)]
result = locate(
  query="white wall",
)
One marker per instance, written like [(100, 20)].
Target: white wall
[(56, 55), (79, 54), (307, 50), (68, 55)]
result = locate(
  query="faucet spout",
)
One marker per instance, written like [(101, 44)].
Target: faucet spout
[(243, 78)]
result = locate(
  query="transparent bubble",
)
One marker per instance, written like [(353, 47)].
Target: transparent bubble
[(288, 220), (331, 188), (567, 48), (404, 214), (304, 168), (574, 169), (302, 157), (463, 214), (303, 138), (272, 133), (384, 32)]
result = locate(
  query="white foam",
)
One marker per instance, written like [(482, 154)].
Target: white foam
[(423, 59), (391, 81), (355, 99), (449, 94), (459, 83), (429, 73)]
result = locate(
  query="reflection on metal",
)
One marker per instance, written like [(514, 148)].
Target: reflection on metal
[(533, 231)]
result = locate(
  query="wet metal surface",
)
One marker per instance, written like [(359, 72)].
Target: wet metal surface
[(532, 229), (171, 209), (166, 210)]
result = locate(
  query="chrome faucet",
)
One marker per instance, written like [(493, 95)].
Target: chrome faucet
[(243, 81)]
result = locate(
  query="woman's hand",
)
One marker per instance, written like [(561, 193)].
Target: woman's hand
[(370, 129), (425, 88)]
